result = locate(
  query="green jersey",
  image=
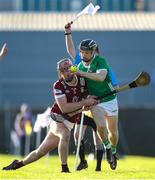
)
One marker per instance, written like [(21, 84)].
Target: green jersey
[(98, 88)]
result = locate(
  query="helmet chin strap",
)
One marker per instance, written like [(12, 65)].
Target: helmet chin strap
[(86, 60), (93, 54)]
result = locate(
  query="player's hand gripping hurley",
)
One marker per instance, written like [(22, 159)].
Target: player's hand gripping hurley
[(142, 79), (89, 9)]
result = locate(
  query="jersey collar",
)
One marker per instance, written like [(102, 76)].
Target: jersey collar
[(88, 66)]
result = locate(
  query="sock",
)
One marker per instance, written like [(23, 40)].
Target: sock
[(64, 168), (113, 148), (19, 164), (99, 155), (107, 144), (82, 151)]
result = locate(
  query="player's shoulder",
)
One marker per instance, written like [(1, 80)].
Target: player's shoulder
[(99, 58), (58, 84)]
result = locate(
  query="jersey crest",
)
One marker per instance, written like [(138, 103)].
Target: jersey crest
[(82, 82)]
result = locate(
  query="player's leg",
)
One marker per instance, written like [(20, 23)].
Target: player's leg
[(113, 131), (83, 163), (113, 136), (99, 118), (49, 143), (99, 149), (111, 115), (64, 134)]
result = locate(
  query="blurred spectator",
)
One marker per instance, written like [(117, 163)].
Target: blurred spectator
[(139, 5), (151, 5), (23, 125), (76, 5)]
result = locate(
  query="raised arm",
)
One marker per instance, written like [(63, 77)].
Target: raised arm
[(69, 41)]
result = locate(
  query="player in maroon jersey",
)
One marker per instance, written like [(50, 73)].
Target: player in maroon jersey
[(70, 95)]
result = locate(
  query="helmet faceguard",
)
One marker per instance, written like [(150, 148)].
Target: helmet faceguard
[(64, 65), (88, 45)]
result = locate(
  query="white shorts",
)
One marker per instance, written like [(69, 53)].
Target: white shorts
[(109, 108), (68, 125)]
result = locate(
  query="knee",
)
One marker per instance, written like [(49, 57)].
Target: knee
[(65, 137)]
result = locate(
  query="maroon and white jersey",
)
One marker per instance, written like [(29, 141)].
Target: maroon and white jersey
[(73, 94)]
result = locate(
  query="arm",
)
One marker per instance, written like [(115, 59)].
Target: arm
[(69, 41), (113, 78), (77, 59), (70, 107), (100, 75), (3, 51), (61, 99)]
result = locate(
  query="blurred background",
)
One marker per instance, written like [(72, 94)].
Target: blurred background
[(34, 33)]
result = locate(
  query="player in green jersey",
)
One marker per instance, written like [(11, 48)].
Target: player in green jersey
[(96, 71)]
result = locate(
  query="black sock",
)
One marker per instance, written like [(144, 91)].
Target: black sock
[(99, 155), (82, 151), (64, 168)]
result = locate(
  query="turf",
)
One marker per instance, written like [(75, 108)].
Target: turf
[(130, 167)]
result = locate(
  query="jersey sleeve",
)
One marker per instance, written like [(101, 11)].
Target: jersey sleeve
[(58, 90), (77, 58), (113, 77), (102, 64)]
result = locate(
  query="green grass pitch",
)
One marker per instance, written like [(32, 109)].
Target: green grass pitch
[(129, 167)]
